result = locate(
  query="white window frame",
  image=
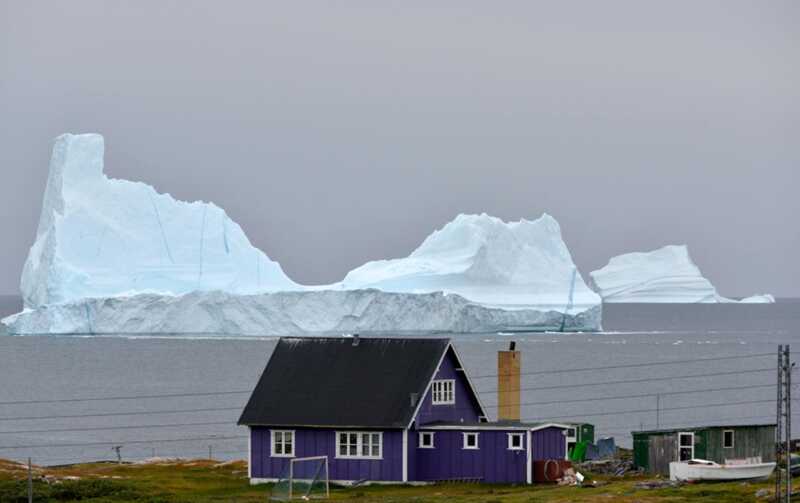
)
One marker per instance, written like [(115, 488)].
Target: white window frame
[(467, 434), (430, 435), (443, 391), (521, 437), (359, 444), (733, 439), (274, 443), (683, 434)]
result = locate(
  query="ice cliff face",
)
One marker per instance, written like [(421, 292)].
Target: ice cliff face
[(100, 237), (113, 256), (666, 275), (288, 313), (508, 265)]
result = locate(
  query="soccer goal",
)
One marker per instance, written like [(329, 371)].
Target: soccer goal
[(304, 478)]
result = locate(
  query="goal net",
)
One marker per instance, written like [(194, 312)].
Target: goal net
[(304, 478)]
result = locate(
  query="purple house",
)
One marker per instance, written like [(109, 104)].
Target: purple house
[(386, 410)]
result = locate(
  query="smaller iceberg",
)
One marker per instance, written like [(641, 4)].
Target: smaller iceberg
[(665, 275), (506, 265)]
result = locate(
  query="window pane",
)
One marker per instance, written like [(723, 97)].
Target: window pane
[(365, 444), (376, 444)]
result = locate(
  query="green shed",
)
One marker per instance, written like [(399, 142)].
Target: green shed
[(579, 432), (654, 450)]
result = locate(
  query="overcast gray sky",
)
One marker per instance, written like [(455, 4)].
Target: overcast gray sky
[(341, 132)]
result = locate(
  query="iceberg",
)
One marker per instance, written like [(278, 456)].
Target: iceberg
[(665, 275), (505, 265), (100, 237), (117, 257)]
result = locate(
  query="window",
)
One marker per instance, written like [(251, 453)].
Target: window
[(685, 446), (571, 432), (727, 439), (282, 443), (515, 441), (443, 392), (426, 440), (471, 440), (359, 444)]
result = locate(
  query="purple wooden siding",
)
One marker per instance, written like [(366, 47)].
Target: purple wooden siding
[(466, 407), (492, 462), (549, 443), (322, 442)]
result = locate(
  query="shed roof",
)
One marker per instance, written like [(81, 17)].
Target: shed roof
[(704, 427), (496, 425), (344, 382)]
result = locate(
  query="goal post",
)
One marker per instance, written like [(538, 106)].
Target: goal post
[(303, 478)]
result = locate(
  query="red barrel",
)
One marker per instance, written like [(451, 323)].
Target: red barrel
[(550, 470)]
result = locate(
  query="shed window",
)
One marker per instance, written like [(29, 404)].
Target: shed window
[(727, 439), (426, 440), (515, 441), (443, 391), (471, 440), (359, 444), (685, 446), (282, 443)]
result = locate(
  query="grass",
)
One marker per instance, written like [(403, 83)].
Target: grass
[(202, 481)]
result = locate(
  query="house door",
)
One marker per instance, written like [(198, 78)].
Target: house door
[(685, 446)]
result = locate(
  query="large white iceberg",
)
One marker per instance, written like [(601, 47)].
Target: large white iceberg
[(113, 256), (665, 275), (101, 237)]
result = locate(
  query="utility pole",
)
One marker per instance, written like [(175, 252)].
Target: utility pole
[(783, 427), (778, 430), (788, 400), (30, 482), (658, 411)]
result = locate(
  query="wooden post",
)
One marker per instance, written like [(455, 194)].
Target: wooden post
[(30, 482), (291, 478), (327, 479), (508, 384)]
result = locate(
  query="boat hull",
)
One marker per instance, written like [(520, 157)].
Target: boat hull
[(686, 472)]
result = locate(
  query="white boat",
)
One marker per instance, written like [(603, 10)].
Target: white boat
[(703, 469)]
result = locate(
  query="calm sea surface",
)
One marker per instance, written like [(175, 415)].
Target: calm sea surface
[(35, 371)]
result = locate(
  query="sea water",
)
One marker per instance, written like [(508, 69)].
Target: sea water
[(561, 381)]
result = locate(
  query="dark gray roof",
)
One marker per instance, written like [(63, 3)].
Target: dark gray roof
[(704, 427), (326, 381)]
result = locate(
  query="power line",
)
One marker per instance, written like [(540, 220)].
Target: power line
[(633, 365), (707, 422), (645, 395), (131, 427), (129, 397), (109, 414), (616, 413), (184, 455), (110, 442), (631, 381)]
